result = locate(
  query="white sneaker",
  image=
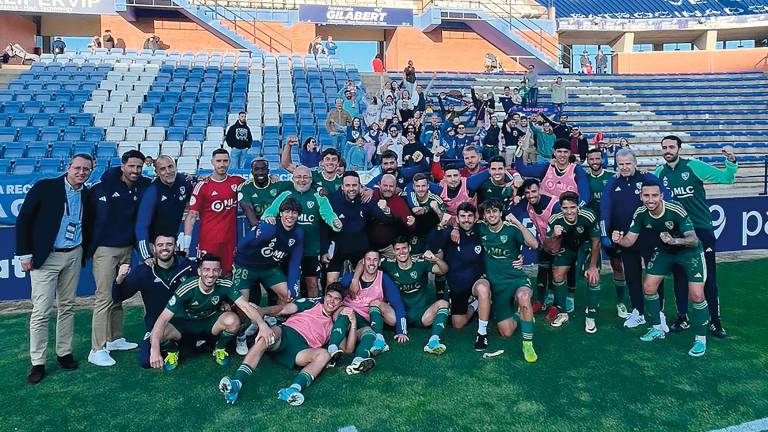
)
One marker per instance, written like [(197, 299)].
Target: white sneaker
[(664, 325), (560, 319), (101, 358), (634, 319), (621, 311), (590, 326), (121, 345), (241, 346)]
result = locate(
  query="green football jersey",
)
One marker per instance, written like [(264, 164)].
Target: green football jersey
[(596, 186), (583, 230), (501, 250), (190, 302), (686, 183), (673, 220), (320, 182), (412, 281), (314, 207), (261, 197), (490, 190)]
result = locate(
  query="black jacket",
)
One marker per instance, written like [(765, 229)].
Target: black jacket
[(40, 217), (239, 136)]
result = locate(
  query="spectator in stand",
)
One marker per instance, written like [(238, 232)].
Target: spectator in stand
[(461, 140), (601, 62), (559, 94), (579, 144), (152, 43), (354, 132), (414, 151), (58, 46), (405, 106), (562, 130), (107, 40), (239, 139), (377, 64), (309, 155), (372, 112), (524, 91), (95, 43), (532, 79), (510, 100), (585, 62), (372, 140), (409, 77), (488, 102), (149, 167), (545, 140), (394, 142), (336, 123), (421, 95), (330, 46), (357, 156), (619, 144), (352, 101), (450, 114), (316, 46), (388, 110), (492, 139)]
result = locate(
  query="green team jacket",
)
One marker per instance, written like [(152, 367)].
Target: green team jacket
[(313, 208)]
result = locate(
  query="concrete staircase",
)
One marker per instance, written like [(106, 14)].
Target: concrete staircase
[(9, 73)]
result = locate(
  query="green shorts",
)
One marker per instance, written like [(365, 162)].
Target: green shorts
[(361, 321), (413, 315), (571, 258), (692, 262), (291, 344), (503, 297), (202, 326), (247, 278)]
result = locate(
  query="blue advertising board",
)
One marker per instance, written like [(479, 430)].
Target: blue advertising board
[(83, 7), (355, 15), (739, 224)]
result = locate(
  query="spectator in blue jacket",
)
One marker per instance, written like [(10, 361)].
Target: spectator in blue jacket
[(620, 199), (156, 280), (309, 155), (162, 206), (330, 46), (114, 202)]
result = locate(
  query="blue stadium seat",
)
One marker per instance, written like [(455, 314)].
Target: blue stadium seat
[(196, 134), (41, 120), (49, 134), (61, 150), (28, 134), (62, 120), (19, 120), (5, 166), (176, 134), (93, 134), (24, 166), (73, 133), (106, 150), (14, 150), (200, 120), (11, 107), (37, 150), (84, 148), (162, 120), (7, 134), (51, 166), (83, 120), (33, 107)]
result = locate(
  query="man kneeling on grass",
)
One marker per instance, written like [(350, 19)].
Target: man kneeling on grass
[(195, 309), (298, 343)]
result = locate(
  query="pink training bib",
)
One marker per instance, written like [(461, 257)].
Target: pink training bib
[(452, 204), (541, 222), (313, 325), (554, 185), (365, 296)]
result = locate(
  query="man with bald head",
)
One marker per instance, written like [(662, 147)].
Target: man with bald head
[(314, 207), (258, 193), (161, 207), (381, 232)]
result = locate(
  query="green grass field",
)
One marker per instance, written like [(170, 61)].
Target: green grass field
[(608, 381)]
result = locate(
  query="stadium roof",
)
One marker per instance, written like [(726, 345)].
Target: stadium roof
[(648, 9)]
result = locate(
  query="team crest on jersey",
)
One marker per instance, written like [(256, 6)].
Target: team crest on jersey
[(478, 249), (291, 242), (214, 299), (310, 204), (234, 187), (685, 175), (414, 275), (579, 230), (172, 301), (503, 238), (239, 196), (273, 192), (183, 190), (192, 200), (666, 181), (669, 224)]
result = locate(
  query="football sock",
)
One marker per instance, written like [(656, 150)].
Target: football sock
[(593, 300), (560, 294), (700, 317), (364, 346), (621, 286), (169, 345), (377, 322), (542, 282), (243, 373), (303, 380), (339, 331), (440, 286), (653, 307), (440, 319), (482, 327), (526, 327), (224, 339)]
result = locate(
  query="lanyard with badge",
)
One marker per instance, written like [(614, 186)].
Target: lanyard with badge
[(72, 226)]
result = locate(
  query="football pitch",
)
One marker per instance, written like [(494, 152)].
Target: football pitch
[(610, 381)]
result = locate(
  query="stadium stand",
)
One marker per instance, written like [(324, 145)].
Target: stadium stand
[(180, 104)]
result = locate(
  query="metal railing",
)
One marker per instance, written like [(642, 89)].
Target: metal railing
[(246, 26), (532, 33)]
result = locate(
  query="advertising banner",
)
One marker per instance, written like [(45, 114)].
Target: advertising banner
[(355, 15), (84, 7)]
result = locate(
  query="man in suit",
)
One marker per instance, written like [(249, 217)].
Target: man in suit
[(49, 245)]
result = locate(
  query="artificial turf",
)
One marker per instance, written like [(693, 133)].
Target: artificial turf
[(607, 381)]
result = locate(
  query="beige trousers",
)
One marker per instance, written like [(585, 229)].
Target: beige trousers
[(57, 278), (107, 322)]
